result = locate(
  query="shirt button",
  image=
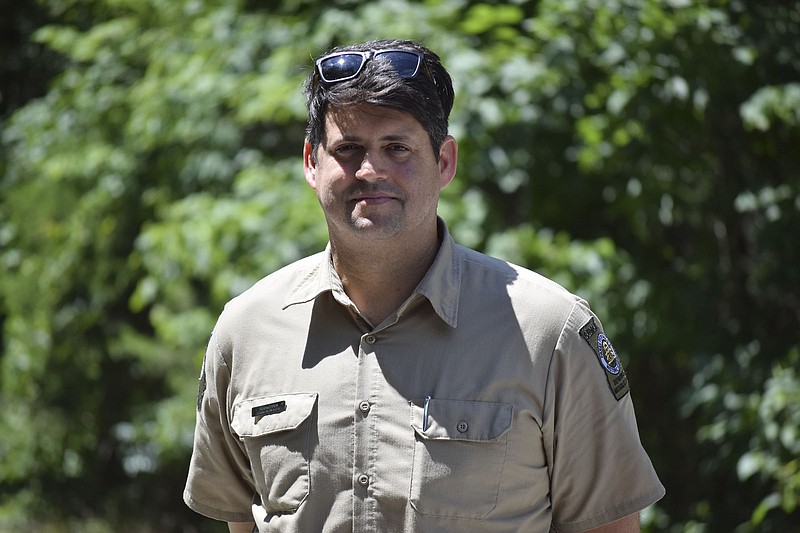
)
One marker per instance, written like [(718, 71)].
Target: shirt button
[(462, 427), (370, 339), (363, 480), (364, 407)]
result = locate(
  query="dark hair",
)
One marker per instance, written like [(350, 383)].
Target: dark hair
[(428, 96)]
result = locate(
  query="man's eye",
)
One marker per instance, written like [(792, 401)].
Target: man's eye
[(398, 148), (346, 148)]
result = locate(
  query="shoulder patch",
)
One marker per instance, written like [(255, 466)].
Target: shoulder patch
[(601, 346)]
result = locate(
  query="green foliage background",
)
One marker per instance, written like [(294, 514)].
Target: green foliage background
[(644, 153)]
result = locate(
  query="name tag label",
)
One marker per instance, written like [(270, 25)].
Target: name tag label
[(269, 409)]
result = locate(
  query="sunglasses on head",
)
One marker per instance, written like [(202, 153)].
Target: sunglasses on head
[(343, 66)]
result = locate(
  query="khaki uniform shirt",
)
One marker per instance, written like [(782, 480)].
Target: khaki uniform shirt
[(491, 401)]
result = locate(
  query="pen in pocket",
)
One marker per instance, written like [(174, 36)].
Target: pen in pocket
[(425, 414)]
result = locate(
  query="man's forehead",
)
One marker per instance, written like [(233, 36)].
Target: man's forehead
[(353, 122)]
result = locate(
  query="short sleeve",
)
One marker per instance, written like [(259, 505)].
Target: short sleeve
[(599, 471), (219, 484)]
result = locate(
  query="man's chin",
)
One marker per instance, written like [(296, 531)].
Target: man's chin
[(376, 225)]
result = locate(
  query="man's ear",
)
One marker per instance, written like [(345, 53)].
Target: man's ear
[(448, 161), (309, 165)]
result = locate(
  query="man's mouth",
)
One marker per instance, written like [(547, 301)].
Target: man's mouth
[(374, 200), (373, 197)]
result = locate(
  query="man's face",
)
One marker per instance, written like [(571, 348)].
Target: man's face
[(376, 175)]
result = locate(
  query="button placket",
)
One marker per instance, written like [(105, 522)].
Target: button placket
[(364, 432)]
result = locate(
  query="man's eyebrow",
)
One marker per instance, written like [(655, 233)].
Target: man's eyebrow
[(396, 137)]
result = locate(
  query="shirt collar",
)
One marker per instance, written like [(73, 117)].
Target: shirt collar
[(441, 284), (318, 278)]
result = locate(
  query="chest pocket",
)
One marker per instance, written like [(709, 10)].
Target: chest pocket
[(277, 434), (459, 455)]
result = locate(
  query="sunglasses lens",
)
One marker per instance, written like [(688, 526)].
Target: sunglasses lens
[(405, 63), (340, 67)]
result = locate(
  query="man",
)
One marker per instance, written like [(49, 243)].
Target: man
[(398, 381)]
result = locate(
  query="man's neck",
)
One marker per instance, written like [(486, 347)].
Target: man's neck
[(378, 279)]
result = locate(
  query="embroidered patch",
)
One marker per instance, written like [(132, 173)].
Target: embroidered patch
[(608, 357), (602, 347), (269, 409)]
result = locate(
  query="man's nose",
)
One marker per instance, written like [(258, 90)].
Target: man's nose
[(371, 168)]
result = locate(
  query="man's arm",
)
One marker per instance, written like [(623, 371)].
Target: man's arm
[(244, 527), (629, 524)]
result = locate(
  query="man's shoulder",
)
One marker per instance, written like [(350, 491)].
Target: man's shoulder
[(275, 286), (518, 279), (534, 302)]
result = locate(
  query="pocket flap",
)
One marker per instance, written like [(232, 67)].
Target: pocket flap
[(270, 414), (462, 419)]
